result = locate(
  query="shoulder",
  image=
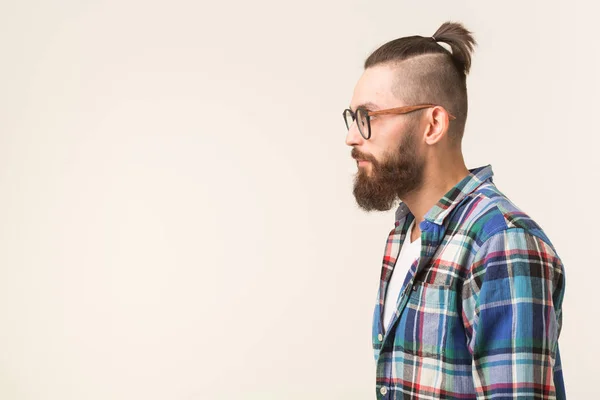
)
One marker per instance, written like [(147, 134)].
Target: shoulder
[(488, 216)]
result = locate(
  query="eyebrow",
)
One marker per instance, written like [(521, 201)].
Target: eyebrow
[(367, 105)]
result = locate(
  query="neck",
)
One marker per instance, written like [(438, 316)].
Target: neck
[(438, 178)]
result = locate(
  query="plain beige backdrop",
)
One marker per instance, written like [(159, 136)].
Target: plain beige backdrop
[(176, 209)]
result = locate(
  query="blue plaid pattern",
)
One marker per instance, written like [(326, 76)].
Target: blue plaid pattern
[(480, 311)]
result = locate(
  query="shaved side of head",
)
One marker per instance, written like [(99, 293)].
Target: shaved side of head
[(431, 78)]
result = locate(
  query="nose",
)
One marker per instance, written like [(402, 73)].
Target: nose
[(354, 138)]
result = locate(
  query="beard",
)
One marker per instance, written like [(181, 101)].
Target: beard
[(399, 173)]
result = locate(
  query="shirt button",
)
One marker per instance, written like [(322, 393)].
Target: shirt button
[(380, 337), (383, 390)]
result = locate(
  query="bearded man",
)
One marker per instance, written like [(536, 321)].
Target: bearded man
[(471, 288)]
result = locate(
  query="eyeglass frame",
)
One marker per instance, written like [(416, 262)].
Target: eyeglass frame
[(395, 111)]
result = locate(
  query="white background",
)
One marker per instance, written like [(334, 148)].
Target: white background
[(176, 215)]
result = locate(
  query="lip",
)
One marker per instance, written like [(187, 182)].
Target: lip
[(362, 162)]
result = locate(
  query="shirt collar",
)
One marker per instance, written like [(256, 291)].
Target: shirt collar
[(453, 197)]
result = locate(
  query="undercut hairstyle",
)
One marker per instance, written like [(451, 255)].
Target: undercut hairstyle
[(430, 73)]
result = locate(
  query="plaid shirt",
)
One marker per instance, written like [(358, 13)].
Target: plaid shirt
[(480, 311)]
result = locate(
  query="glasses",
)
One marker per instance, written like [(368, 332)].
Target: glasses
[(364, 116)]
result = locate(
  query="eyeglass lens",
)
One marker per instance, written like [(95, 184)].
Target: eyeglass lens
[(363, 123)]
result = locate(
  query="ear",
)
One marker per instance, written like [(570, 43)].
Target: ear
[(437, 125)]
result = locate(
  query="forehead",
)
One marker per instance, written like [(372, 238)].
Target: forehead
[(375, 86)]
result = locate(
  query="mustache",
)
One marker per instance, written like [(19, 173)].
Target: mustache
[(358, 155)]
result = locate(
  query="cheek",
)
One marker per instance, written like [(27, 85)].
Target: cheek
[(387, 136), (383, 149)]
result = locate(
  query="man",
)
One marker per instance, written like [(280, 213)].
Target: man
[(471, 288)]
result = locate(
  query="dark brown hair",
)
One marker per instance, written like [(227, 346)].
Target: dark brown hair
[(430, 73)]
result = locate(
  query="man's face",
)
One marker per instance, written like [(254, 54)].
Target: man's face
[(390, 164)]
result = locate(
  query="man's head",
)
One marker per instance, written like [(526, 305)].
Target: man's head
[(404, 72)]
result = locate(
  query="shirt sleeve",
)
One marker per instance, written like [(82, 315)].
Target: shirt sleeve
[(512, 302)]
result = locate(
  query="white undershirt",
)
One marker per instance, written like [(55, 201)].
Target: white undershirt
[(408, 254)]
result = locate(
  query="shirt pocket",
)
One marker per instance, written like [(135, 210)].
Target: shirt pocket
[(429, 315)]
